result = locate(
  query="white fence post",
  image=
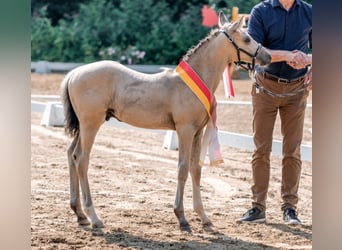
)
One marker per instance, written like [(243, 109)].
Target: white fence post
[(53, 115), (171, 140)]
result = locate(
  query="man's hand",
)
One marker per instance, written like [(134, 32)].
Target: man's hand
[(298, 59)]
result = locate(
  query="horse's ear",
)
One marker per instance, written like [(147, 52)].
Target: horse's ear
[(222, 19), (239, 23)]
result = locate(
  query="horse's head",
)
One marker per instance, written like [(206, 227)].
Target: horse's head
[(247, 49)]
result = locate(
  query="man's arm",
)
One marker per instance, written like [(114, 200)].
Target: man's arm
[(281, 55)]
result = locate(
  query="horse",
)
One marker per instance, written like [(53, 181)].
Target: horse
[(95, 92)]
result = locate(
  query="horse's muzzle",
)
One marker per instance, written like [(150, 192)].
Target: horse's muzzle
[(263, 57)]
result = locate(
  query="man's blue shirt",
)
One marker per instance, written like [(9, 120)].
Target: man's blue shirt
[(277, 29)]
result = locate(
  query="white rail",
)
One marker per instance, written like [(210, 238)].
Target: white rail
[(43, 67), (53, 116)]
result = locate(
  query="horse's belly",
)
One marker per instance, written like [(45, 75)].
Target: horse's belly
[(149, 120)]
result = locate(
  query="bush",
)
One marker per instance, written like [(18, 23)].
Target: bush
[(43, 36), (130, 32)]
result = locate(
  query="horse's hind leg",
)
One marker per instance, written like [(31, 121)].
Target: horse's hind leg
[(82, 153), (75, 203), (196, 171)]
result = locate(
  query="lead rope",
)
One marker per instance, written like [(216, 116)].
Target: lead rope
[(259, 87)]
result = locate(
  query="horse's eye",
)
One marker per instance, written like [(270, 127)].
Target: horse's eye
[(247, 39)]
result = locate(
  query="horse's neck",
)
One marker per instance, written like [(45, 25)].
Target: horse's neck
[(210, 61)]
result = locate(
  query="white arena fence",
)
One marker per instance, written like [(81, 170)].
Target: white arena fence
[(52, 110)]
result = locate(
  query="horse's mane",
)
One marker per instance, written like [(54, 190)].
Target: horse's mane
[(205, 40)]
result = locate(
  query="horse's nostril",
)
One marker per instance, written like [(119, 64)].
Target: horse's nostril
[(269, 58)]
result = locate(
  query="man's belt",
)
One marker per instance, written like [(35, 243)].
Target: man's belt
[(281, 80)]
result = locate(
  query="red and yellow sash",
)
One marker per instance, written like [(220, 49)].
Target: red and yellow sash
[(198, 87), (195, 83)]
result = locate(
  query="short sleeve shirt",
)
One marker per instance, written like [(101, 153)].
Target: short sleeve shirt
[(278, 29)]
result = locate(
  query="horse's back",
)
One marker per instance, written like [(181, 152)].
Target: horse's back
[(109, 71)]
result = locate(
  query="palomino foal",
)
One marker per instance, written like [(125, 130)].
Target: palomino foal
[(95, 92)]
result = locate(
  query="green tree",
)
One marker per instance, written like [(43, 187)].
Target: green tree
[(56, 10), (130, 31), (43, 35)]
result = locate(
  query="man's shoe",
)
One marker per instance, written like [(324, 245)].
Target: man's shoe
[(253, 215), (290, 217)]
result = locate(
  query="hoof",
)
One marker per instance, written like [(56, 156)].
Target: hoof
[(209, 227), (83, 222), (98, 224), (208, 224), (186, 228)]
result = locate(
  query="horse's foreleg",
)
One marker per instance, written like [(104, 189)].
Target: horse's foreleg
[(185, 142), (75, 203), (183, 169), (196, 170), (87, 135)]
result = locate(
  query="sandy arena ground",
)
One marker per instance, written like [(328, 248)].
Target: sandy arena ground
[(133, 183)]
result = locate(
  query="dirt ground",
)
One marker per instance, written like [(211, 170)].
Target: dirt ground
[(133, 183)]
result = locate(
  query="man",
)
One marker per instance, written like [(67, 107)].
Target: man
[(284, 27)]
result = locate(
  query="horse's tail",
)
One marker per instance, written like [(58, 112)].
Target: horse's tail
[(71, 123)]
